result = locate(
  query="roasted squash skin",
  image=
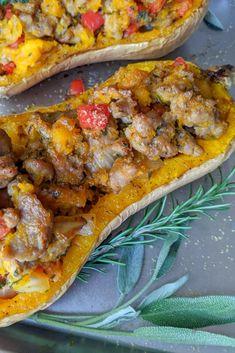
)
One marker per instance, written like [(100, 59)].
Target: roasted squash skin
[(112, 209), (37, 58)]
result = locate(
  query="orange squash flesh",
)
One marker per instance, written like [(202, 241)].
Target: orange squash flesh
[(111, 205), (53, 53)]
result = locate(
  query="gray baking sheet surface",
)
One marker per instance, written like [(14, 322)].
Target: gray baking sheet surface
[(208, 256)]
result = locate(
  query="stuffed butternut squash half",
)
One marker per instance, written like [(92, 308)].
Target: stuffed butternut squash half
[(39, 38), (73, 172)]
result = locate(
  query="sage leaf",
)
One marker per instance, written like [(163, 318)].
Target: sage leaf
[(184, 336), (167, 254), (212, 20), (128, 276), (163, 292), (172, 247), (191, 312), (117, 318)]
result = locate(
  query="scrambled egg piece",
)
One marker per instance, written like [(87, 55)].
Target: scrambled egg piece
[(52, 8), (10, 31), (28, 54), (115, 24)]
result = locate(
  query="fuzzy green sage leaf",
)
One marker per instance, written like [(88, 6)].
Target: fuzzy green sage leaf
[(184, 336), (163, 292), (171, 256), (128, 276), (191, 312), (166, 251)]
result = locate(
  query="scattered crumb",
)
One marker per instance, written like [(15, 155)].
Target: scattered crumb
[(216, 238)]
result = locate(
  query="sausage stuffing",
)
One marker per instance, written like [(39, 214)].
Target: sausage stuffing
[(61, 163)]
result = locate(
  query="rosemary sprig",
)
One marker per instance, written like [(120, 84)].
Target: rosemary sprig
[(156, 226)]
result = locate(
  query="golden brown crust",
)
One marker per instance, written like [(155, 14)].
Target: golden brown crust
[(144, 50)]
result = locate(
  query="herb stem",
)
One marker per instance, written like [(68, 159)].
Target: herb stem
[(130, 301), (77, 328)]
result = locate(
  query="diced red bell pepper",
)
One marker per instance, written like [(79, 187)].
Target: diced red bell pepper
[(93, 116), (179, 61), (132, 28), (156, 6), (185, 6), (76, 87), (19, 41), (92, 20), (8, 14), (141, 7), (4, 230), (9, 67)]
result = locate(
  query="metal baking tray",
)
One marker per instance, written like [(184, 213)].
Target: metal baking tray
[(208, 254)]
